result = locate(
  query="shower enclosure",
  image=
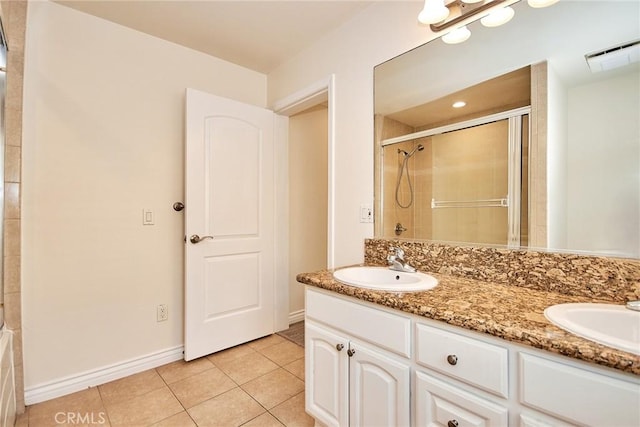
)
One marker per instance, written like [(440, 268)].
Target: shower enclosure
[(465, 182)]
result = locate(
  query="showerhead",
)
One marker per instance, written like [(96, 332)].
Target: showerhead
[(420, 147)]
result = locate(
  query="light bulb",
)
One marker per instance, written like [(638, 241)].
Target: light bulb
[(457, 35), (541, 3), (498, 17), (434, 11)]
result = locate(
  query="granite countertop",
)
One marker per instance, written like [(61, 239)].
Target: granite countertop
[(509, 312)]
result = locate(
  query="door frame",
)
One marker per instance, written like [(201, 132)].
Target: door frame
[(321, 91)]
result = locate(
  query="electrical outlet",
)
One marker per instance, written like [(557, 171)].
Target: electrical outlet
[(163, 312)]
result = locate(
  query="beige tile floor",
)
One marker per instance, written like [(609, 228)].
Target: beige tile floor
[(260, 383)]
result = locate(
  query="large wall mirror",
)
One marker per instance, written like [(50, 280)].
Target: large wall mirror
[(546, 152)]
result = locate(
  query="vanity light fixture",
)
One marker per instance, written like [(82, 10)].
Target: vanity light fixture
[(459, 13), (434, 11), (457, 35), (498, 17), (541, 3)]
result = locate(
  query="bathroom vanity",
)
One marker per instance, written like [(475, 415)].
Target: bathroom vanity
[(467, 353)]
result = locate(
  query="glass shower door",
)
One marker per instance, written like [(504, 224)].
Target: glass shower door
[(470, 181)]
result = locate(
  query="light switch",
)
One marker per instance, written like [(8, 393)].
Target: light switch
[(366, 213), (147, 217)]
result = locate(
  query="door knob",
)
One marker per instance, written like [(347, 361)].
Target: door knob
[(197, 239)]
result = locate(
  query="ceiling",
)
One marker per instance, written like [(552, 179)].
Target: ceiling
[(259, 35), (505, 92)]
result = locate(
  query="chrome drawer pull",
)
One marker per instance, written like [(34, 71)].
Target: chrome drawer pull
[(351, 352), (339, 347), (452, 423), (452, 359)]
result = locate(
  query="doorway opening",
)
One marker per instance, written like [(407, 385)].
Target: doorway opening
[(307, 235), (308, 199)]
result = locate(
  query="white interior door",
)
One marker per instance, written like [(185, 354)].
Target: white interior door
[(229, 223)]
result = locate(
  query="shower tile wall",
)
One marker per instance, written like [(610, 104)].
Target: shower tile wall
[(432, 178), (471, 165), (392, 213), (423, 173), (14, 14)]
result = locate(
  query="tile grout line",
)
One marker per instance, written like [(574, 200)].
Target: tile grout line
[(176, 397), (260, 350), (239, 386), (104, 405)]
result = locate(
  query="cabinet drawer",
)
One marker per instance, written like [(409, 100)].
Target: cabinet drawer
[(389, 331), (532, 419), (441, 404), (474, 362), (578, 395)]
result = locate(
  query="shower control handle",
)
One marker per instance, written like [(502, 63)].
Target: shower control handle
[(197, 239)]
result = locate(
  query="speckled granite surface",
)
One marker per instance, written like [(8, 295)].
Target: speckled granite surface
[(609, 279), (487, 301)]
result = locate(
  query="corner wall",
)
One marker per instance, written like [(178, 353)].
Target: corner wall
[(103, 139), (378, 33), (603, 159)]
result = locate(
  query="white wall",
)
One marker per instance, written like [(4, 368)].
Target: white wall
[(103, 139), (603, 162), (380, 32), (307, 199), (557, 147)]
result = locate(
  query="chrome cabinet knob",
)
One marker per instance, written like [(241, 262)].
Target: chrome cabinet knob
[(452, 359), (351, 352), (452, 423), (339, 347), (197, 239)]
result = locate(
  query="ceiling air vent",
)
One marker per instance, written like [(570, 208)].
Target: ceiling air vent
[(614, 57)]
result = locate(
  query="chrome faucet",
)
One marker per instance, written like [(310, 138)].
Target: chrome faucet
[(397, 262)]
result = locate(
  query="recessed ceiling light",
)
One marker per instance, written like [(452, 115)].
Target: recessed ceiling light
[(459, 104)]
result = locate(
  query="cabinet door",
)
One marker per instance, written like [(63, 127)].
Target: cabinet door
[(326, 375), (441, 404), (379, 389)]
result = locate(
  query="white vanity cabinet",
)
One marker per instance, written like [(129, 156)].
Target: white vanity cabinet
[(481, 365), (353, 378), (577, 395), (440, 403), (369, 365), (326, 375)]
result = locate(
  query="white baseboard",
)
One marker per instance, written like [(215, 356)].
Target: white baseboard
[(84, 380), (296, 316)]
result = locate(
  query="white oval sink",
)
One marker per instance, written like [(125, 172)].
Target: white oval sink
[(608, 324), (385, 279)]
